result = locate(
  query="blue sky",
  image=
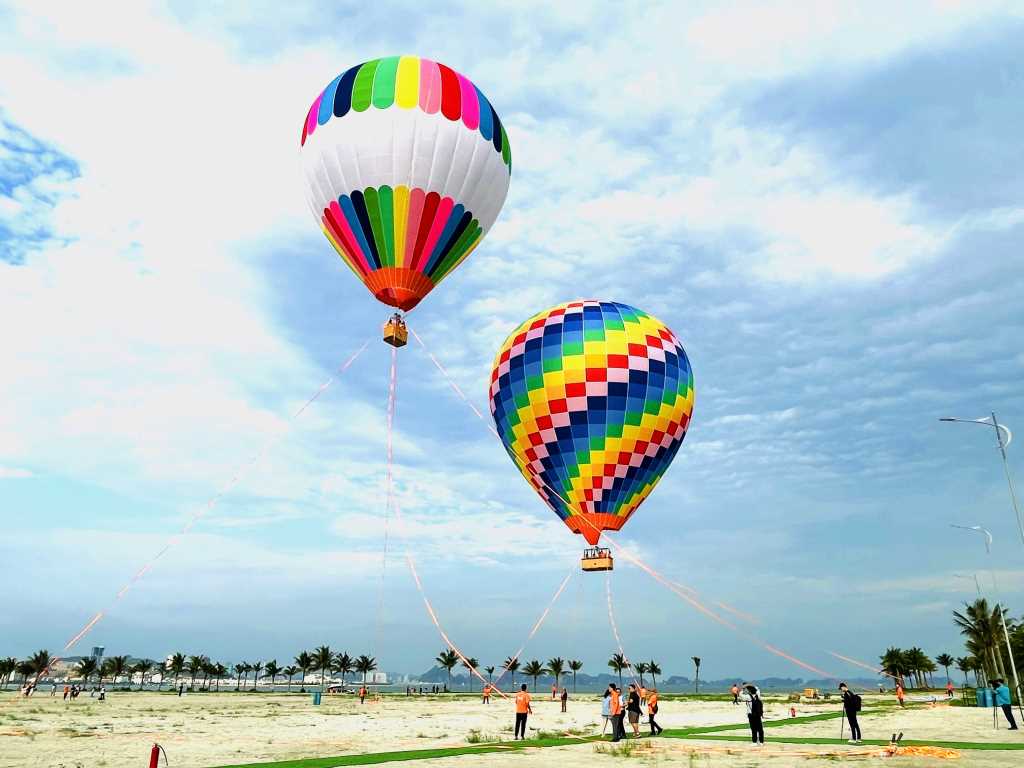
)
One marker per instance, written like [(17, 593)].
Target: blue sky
[(824, 206)]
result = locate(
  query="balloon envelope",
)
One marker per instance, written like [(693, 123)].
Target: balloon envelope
[(407, 166), (592, 400)]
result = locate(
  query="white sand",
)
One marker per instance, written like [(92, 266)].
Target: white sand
[(204, 730)]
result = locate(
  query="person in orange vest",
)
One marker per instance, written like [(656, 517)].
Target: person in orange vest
[(362, 694), (735, 693), (652, 710), (949, 689), (554, 691), (487, 693), (523, 709), (618, 713), (899, 692)]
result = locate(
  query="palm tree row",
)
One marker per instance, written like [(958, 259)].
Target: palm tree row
[(913, 663), (982, 629), (555, 667)]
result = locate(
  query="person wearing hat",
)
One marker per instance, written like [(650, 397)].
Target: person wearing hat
[(1002, 699), (851, 706), (755, 712)]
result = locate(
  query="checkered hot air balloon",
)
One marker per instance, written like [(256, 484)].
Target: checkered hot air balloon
[(407, 166), (592, 399)]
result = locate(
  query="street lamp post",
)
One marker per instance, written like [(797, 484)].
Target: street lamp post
[(1003, 438), (999, 605)]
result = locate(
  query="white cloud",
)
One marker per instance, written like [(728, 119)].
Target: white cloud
[(14, 473)]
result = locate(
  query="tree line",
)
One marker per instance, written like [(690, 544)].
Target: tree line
[(555, 667)]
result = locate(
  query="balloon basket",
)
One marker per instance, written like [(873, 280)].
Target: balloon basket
[(395, 332), (597, 559)]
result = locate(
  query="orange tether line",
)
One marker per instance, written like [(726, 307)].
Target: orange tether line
[(615, 628), (677, 589), (389, 486), (536, 626), (211, 502)]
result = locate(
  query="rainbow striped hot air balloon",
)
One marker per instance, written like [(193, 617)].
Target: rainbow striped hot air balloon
[(407, 166), (592, 399)]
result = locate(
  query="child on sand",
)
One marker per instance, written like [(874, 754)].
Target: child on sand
[(523, 709)]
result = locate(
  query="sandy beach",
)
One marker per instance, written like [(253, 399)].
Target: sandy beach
[(216, 729)]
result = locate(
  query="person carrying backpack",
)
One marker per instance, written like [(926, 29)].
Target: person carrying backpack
[(851, 706), (755, 712)]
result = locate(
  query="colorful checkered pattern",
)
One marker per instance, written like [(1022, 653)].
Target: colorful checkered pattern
[(592, 400)]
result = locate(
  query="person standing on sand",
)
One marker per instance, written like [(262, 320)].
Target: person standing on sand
[(565, 698), (735, 694), (554, 691), (362, 694), (523, 709), (652, 710), (633, 709), (606, 709), (899, 693), (487, 693), (103, 693), (618, 713), (755, 712), (949, 689), (67, 690), (851, 706), (53, 689), (1002, 699), (181, 689)]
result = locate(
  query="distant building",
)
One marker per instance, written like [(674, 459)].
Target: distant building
[(97, 653)]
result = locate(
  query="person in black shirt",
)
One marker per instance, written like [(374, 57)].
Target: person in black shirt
[(851, 706), (633, 709)]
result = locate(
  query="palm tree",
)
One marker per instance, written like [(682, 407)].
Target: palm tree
[(256, 669), (364, 665), (447, 659), (24, 668), (272, 669), (982, 628), (534, 669), (305, 663), (489, 671), (142, 668), (963, 663), (641, 669), (40, 661), (470, 664), (575, 666), (209, 672), (618, 663), (176, 666), (87, 667), (512, 665), (242, 668), (893, 663), (107, 670), (343, 663), (322, 660), (556, 667), (946, 661), (7, 667), (655, 670), (219, 672), (291, 670), (194, 667), (696, 676)]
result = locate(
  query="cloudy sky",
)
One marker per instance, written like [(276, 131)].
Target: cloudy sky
[(824, 203)]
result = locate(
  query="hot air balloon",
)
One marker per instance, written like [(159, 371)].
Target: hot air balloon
[(592, 400), (407, 166)]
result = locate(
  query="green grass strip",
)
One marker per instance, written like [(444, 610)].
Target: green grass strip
[(696, 733), (870, 742)]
